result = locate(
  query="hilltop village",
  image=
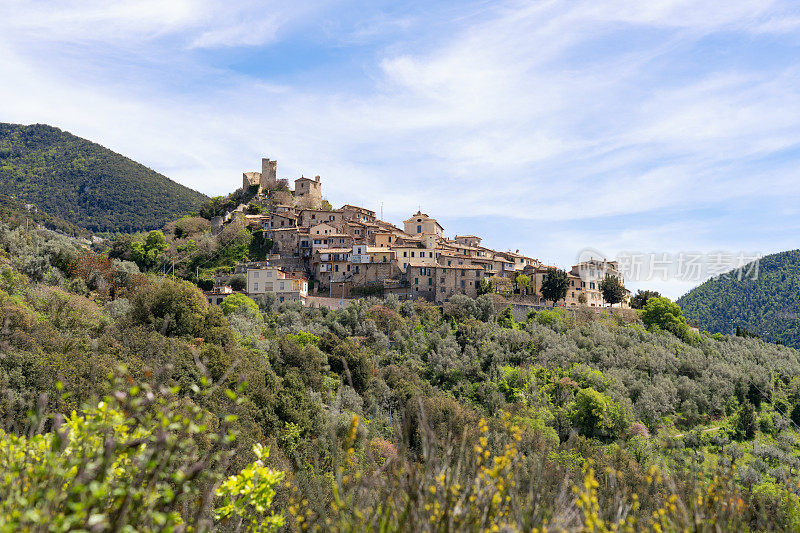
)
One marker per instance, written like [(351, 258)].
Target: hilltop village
[(348, 252)]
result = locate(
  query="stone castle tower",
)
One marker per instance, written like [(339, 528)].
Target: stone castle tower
[(266, 179), (269, 173), (307, 190)]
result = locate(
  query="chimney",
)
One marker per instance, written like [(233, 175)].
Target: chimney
[(316, 178)]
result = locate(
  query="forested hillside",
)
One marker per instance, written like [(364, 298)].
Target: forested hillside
[(383, 415), (17, 213), (768, 306), (86, 184)]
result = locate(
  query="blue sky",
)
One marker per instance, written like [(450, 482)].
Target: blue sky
[(665, 126)]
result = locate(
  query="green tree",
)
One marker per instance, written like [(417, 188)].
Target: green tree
[(238, 303), (146, 253), (744, 426), (485, 287), (639, 300), (554, 285), (506, 318), (171, 307), (662, 313), (238, 282), (523, 282), (612, 289), (596, 415)]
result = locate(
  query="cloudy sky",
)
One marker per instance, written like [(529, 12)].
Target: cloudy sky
[(626, 127)]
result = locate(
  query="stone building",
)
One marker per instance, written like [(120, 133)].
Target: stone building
[(308, 189), (420, 223), (288, 287)]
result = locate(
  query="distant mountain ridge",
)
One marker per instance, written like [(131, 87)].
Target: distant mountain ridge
[(87, 184), (768, 305)]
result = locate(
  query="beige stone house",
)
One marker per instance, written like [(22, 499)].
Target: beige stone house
[(286, 286), (357, 214), (438, 283), (420, 223), (285, 241), (322, 229), (282, 220), (306, 188), (468, 240), (312, 217)]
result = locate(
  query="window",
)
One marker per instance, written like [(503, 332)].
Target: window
[(412, 254), (255, 286), (441, 280), (255, 274), (419, 229), (463, 273), (591, 284), (416, 281), (336, 268), (405, 254)]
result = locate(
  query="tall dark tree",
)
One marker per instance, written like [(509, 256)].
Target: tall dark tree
[(639, 300), (612, 289), (555, 285)]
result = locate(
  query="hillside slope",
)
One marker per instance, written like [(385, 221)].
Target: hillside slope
[(86, 184), (769, 305), (17, 213)]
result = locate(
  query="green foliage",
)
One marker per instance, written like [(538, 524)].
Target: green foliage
[(639, 300), (612, 289), (523, 282), (247, 496), (303, 338), (661, 313), (171, 308), (238, 303), (768, 306), (554, 285), (86, 184), (369, 407), (16, 213), (238, 282), (595, 415), (145, 253), (142, 456), (506, 319), (205, 284), (485, 287), (745, 424), (260, 246)]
